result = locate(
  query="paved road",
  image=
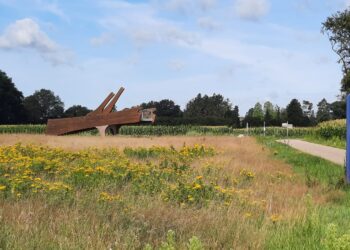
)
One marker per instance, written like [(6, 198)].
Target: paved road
[(329, 153)]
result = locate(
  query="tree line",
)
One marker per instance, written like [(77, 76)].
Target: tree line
[(202, 110), (35, 109)]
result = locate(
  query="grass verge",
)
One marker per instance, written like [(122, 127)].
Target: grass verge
[(324, 225), (332, 142)]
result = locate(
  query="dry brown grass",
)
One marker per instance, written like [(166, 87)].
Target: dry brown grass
[(274, 182)]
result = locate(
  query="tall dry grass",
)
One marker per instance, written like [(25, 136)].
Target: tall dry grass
[(82, 223)]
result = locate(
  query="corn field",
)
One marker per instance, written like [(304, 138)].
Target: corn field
[(325, 130), (22, 129), (203, 130)]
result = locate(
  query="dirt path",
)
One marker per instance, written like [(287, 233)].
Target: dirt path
[(329, 153)]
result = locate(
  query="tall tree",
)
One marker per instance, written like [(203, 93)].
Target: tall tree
[(337, 27), (277, 121), (236, 121), (295, 113), (324, 111), (269, 113), (76, 110), (11, 107), (43, 104)]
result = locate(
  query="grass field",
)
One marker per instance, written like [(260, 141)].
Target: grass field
[(182, 192)]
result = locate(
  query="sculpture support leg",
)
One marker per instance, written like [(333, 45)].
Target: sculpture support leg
[(102, 130)]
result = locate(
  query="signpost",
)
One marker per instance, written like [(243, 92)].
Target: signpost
[(287, 126), (347, 171)]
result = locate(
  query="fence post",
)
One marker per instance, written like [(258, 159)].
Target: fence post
[(347, 171)]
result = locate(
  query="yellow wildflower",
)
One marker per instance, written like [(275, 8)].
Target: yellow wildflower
[(197, 186)]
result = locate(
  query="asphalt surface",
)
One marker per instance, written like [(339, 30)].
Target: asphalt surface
[(335, 155)]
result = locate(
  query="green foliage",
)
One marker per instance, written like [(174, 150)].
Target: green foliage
[(323, 111), (42, 105), (338, 109), (171, 130), (295, 113), (208, 106), (203, 130), (76, 110), (258, 112), (330, 129), (337, 27), (335, 142), (11, 108), (193, 244), (22, 129), (314, 169), (164, 108), (334, 241), (170, 241)]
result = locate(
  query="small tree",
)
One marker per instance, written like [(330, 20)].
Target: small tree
[(42, 105)]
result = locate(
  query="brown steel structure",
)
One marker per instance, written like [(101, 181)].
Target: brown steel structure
[(102, 118)]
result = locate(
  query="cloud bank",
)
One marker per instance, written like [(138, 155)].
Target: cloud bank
[(26, 34)]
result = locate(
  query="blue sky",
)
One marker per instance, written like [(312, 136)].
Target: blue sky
[(247, 50)]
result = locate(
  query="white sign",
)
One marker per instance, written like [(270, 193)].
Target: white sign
[(287, 125)]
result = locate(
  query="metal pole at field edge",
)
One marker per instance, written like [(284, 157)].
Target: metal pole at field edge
[(347, 171)]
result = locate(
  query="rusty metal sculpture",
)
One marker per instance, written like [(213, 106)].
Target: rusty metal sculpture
[(102, 118)]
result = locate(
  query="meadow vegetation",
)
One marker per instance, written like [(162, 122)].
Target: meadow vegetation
[(168, 193)]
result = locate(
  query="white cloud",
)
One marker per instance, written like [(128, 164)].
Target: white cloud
[(143, 26), (104, 38), (26, 34), (252, 9), (347, 3)]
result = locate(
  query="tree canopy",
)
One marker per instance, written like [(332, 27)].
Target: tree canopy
[(208, 106), (337, 27), (295, 113), (11, 108), (164, 107), (76, 110), (42, 105)]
